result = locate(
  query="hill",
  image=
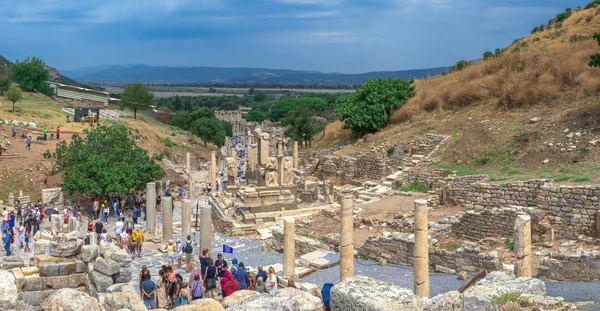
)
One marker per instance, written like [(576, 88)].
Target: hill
[(531, 112), (234, 75), (55, 75)]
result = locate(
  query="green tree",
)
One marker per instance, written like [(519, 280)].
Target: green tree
[(4, 85), (181, 119), (209, 130), (228, 127), (301, 125), (136, 96), (105, 160), (460, 65), (281, 108), (595, 59), (14, 94), (260, 96), (203, 112), (488, 55), (255, 115), (370, 107), (31, 74)]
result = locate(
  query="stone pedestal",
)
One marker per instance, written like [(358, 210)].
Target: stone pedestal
[(328, 192), (289, 247), (56, 223), (11, 199), (61, 198), (186, 218), (73, 224), (213, 171), (167, 221), (421, 250), (205, 227), (295, 153), (523, 246), (150, 207), (94, 238), (346, 240)]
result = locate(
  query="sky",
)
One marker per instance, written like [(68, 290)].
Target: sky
[(348, 36)]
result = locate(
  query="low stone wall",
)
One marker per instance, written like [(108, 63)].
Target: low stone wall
[(220, 222), (487, 195), (562, 265), (496, 222), (398, 249), (304, 245)]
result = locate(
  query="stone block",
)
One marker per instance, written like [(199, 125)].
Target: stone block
[(106, 266), (121, 257), (33, 298), (123, 276), (57, 282), (101, 282), (80, 266), (35, 282), (66, 268), (19, 278), (65, 249), (49, 268), (77, 279), (88, 253), (30, 270), (39, 248)]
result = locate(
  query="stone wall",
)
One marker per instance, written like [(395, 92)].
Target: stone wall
[(304, 245), (495, 222), (562, 265), (487, 195), (398, 249)]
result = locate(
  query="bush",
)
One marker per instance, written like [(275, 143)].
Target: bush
[(563, 16), (422, 188), (589, 18), (460, 65), (47, 154), (582, 179), (510, 246), (506, 297), (391, 151), (169, 143), (483, 160), (592, 4)]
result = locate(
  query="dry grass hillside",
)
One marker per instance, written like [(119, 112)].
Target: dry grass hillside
[(533, 112)]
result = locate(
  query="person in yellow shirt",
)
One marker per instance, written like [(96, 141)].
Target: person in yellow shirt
[(137, 238)]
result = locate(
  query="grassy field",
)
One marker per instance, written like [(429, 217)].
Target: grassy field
[(161, 91)]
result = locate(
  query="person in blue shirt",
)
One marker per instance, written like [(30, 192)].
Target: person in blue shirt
[(241, 276), (260, 274), (136, 214), (180, 191), (6, 242), (116, 208)]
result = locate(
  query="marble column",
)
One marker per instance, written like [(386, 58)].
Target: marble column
[(280, 170), (213, 171), (94, 238), (523, 246), (346, 240), (421, 250), (167, 221), (295, 153), (151, 207), (73, 224), (61, 198), (205, 227), (289, 247), (186, 219), (187, 161)]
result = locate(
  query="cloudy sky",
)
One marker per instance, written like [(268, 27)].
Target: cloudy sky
[(347, 36)]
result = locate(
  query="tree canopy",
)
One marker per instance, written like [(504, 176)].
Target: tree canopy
[(209, 130), (255, 115), (369, 108), (105, 160), (31, 74), (595, 58), (301, 125), (260, 96), (4, 85), (281, 108), (136, 96), (14, 94)]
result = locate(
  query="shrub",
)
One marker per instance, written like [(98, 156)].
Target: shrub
[(582, 179), (592, 4), (510, 246), (563, 16), (589, 18), (460, 65), (483, 160), (415, 188), (537, 39), (47, 154), (506, 297), (169, 143), (391, 151)]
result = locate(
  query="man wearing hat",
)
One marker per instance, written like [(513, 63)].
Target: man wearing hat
[(221, 265), (260, 274), (234, 265)]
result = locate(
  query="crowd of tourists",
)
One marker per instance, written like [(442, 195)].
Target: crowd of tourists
[(209, 279), (23, 225)]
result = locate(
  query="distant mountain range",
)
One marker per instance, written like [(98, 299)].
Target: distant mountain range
[(163, 74)]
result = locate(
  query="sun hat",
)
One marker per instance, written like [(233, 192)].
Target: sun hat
[(234, 260)]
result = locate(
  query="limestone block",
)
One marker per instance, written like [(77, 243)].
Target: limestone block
[(238, 297), (121, 257), (123, 276), (89, 253), (80, 266), (106, 249), (30, 270), (68, 299), (101, 281), (35, 282), (65, 249), (57, 282), (49, 268), (34, 298), (77, 279), (8, 288), (19, 278), (106, 266), (39, 247), (66, 268)]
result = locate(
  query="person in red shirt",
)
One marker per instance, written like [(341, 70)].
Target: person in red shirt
[(58, 133)]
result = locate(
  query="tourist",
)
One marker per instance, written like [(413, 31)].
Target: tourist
[(105, 211), (224, 280), (181, 192), (66, 216), (260, 285), (11, 222), (115, 208), (6, 242), (21, 234), (139, 239), (119, 227), (45, 134), (90, 209), (204, 260), (27, 237), (58, 133), (170, 252), (96, 208), (13, 131), (129, 224), (184, 294), (90, 225), (272, 281), (221, 265), (260, 274), (104, 235), (234, 266), (196, 285), (231, 286), (179, 252), (210, 277), (125, 242), (148, 289), (52, 134), (161, 297), (172, 278), (158, 205), (178, 288), (189, 253), (241, 276), (5, 214), (86, 240), (19, 213), (144, 275), (136, 214)]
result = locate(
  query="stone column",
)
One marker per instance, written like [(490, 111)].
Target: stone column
[(346, 240), (523, 246), (94, 238), (150, 207), (205, 227), (11, 199), (167, 221), (421, 250), (263, 148), (73, 224), (56, 223), (213, 171), (61, 198), (187, 161), (186, 219), (251, 155), (295, 152), (289, 247)]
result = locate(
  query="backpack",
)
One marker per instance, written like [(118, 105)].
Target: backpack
[(188, 248)]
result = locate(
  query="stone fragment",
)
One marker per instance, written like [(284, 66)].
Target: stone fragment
[(88, 253), (77, 279), (8, 288), (101, 281), (49, 268), (66, 268), (121, 257), (65, 249), (123, 276), (106, 266), (238, 297), (57, 282), (34, 298), (68, 299), (33, 283)]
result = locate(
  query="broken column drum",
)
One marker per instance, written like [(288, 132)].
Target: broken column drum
[(167, 213), (523, 246), (421, 250), (213, 171), (289, 247), (205, 227), (151, 207)]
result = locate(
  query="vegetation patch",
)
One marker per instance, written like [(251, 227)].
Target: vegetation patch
[(169, 143), (508, 297), (422, 188)]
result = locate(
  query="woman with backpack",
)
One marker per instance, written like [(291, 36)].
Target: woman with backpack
[(189, 253), (210, 277)]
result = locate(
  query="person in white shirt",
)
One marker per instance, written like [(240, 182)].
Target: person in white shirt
[(21, 234), (119, 227), (5, 215)]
